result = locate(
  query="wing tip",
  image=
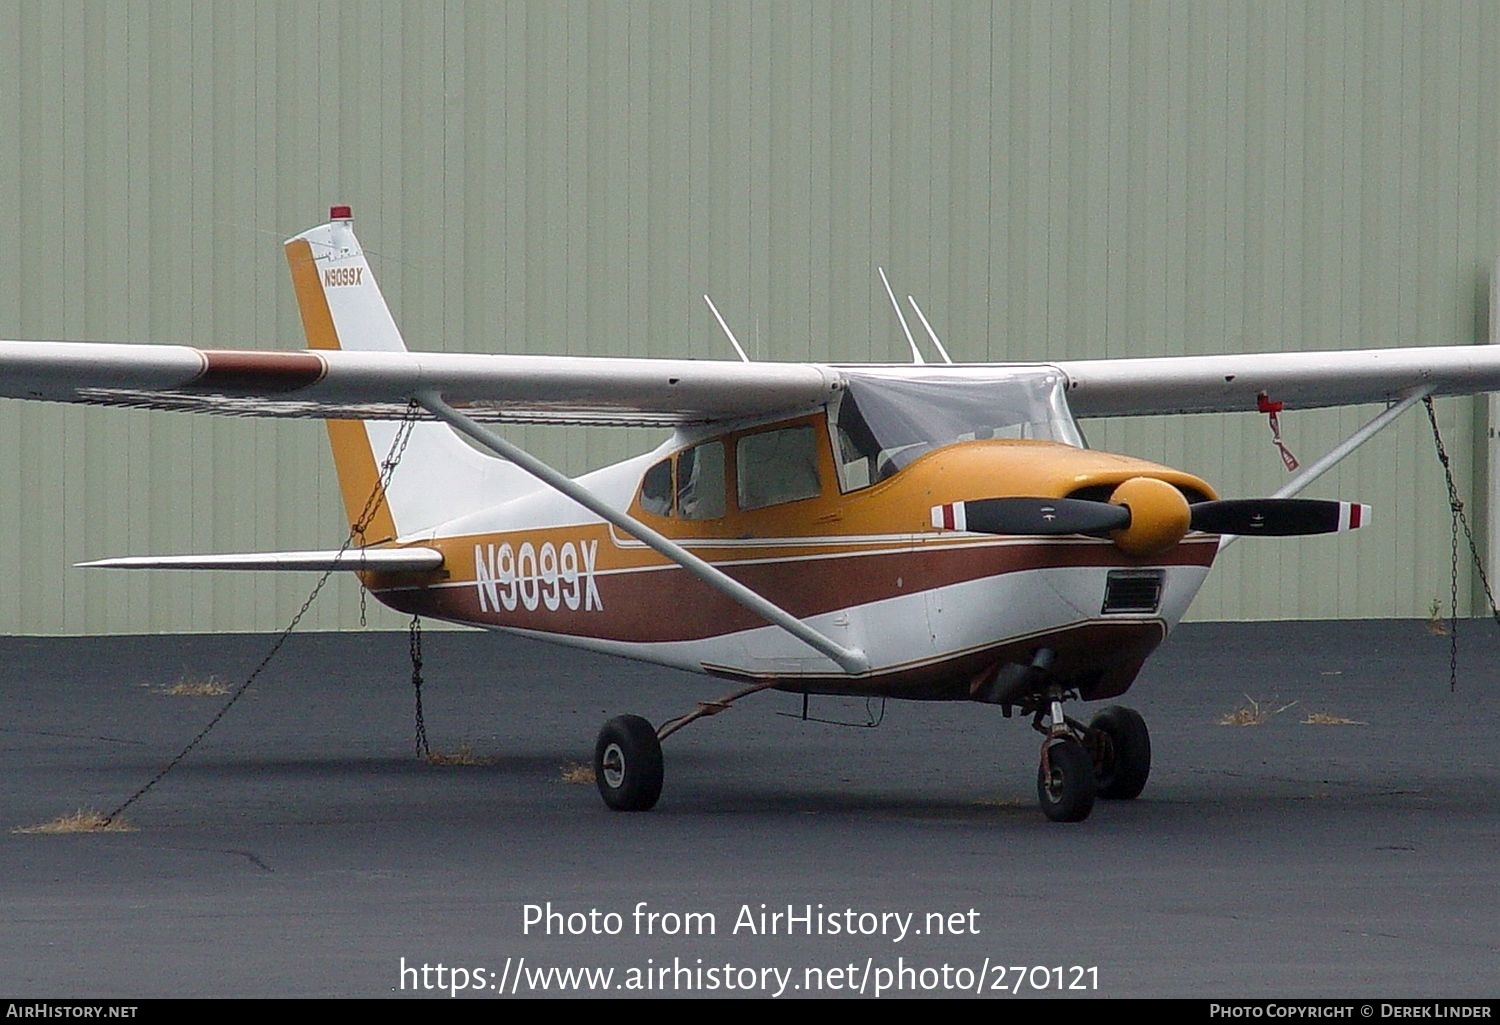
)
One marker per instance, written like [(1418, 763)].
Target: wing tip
[(416, 559)]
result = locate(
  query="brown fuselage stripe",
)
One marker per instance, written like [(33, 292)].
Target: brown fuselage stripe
[(655, 606)]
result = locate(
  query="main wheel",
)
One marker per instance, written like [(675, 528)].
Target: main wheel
[(627, 764), (1065, 782), (1122, 752)]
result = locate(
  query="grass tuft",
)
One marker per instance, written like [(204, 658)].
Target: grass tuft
[(1435, 624), (185, 688), (1002, 802), (578, 774), (465, 756), (1252, 714), (81, 821), (1328, 719)]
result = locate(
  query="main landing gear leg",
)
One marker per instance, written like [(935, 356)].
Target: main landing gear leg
[(627, 756)]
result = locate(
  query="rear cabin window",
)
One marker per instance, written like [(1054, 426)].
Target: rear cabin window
[(777, 466), (656, 489), (694, 492)]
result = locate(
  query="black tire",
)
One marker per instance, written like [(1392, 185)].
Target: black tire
[(1065, 782), (1122, 752), (627, 764)]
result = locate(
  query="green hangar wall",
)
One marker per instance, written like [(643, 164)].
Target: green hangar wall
[(1049, 179)]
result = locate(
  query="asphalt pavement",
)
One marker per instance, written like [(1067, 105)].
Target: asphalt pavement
[(1349, 845)]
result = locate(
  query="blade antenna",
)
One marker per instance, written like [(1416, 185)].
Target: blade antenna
[(930, 332), (916, 354), (727, 333)]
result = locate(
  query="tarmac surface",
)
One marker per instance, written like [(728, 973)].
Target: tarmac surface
[(303, 850)]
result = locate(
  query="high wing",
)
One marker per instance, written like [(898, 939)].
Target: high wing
[(663, 392), (1299, 380), (358, 368), (378, 385)]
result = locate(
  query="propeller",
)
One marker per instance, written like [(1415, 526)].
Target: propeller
[(1277, 517), (1046, 516), (1145, 516)]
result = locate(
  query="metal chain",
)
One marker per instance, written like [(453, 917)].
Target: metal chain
[(1460, 521), (414, 643), (357, 529), (1456, 508), (377, 494)]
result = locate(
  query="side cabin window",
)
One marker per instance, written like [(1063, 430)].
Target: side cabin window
[(689, 485), (777, 466), (700, 482)]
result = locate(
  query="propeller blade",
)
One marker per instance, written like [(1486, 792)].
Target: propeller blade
[(1278, 517), (1031, 516)]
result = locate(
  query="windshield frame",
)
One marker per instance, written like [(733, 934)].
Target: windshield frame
[(899, 414)]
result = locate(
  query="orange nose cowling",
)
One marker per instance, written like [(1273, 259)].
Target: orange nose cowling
[(1159, 516)]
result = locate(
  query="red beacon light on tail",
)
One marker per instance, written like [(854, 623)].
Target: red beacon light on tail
[(340, 213)]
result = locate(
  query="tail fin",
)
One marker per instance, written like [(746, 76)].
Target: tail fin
[(439, 477)]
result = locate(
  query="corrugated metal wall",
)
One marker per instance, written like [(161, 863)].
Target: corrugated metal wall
[(1051, 180)]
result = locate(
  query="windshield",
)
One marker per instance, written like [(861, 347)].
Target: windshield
[(884, 420)]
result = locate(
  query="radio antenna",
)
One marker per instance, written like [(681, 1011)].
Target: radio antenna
[(930, 332), (916, 354), (727, 333)]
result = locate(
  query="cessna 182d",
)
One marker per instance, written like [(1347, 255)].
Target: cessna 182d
[(932, 532)]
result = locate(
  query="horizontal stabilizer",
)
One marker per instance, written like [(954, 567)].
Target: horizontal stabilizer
[(380, 560)]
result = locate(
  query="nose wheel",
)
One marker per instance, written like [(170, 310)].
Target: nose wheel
[(1065, 786), (1108, 758)]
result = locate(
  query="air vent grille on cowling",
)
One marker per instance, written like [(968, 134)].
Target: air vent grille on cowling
[(1132, 590)]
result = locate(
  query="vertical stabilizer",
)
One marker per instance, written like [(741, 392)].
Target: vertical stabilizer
[(439, 476)]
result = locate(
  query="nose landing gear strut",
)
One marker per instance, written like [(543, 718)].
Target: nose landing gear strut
[(1108, 758), (1065, 784)]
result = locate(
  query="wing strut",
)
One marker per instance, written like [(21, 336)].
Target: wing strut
[(851, 660), (1343, 449)]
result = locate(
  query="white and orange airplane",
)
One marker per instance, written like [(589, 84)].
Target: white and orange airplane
[(929, 532)]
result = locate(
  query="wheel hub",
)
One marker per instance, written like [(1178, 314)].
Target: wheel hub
[(1054, 784), (614, 766)]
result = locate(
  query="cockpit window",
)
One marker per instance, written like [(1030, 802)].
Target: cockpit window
[(884, 421), (700, 482), (777, 466)]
